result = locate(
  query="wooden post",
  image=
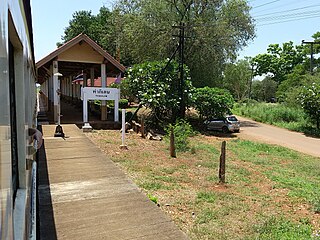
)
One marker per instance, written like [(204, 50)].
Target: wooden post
[(172, 146), (142, 127), (222, 167)]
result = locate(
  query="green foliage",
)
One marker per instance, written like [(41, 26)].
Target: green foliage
[(270, 113), (281, 115), (212, 102), (141, 30), (123, 103), (237, 77), (310, 101), (289, 90), (159, 93), (279, 61), (182, 130), (281, 228), (100, 28), (264, 90)]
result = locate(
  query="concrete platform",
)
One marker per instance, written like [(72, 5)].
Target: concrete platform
[(84, 195)]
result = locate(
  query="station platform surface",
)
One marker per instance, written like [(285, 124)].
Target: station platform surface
[(84, 195)]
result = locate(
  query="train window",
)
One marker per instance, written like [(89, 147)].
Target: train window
[(13, 121)]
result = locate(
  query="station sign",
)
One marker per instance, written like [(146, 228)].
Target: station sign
[(93, 93)]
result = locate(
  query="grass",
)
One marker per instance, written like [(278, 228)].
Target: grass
[(281, 228), (271, 192), (279, 115)]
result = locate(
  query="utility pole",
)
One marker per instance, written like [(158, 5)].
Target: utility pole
[(311, 54), (181, 62), (250, 81), (181, 83)]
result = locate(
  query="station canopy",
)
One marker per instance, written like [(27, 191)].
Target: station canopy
[(79, 55)]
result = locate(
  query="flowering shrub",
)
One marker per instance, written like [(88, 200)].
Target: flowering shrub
[(310, 101), (159, 93)]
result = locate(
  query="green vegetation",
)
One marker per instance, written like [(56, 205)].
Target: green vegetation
[(123, 103), (153, 198), (292, 118), (310, 101), (212, 102), (141, 30), (281, 228), (159, 93), (182, 132)]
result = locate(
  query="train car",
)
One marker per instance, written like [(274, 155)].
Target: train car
[(18, 110)]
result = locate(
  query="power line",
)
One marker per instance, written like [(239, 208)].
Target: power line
[(268, 3), (288, 16), (289, 10), (291, 20), (278, 6)]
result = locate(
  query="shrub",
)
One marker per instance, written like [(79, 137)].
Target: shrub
[(182, 131), (212, 102), (156, 85), (310, 101), (123, 103)]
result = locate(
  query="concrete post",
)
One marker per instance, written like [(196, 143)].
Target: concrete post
[(116, 107), (56, 97)]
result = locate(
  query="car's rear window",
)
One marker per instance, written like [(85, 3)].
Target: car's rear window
[(233, 119)]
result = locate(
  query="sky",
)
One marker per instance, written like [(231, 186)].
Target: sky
[(279, 21), (273, 19), (51, 17)]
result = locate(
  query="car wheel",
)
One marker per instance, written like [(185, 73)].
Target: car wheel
[(225, 129)]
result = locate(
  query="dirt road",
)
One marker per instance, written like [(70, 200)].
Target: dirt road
[(252, 130)]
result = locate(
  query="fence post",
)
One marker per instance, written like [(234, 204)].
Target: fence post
[(222, 167), (172, 146)]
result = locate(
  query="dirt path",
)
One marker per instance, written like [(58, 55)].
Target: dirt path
[(252, 130)]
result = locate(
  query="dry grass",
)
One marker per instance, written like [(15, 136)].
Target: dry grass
[(257, 202)]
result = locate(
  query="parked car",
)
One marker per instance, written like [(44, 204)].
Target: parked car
[(225, 124)]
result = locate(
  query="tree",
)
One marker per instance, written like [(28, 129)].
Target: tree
[(81, 22), (216, 30), (279, 61), (102, 28), (212, 102), (237, 77), (289, 90), (141, 30), (310, 101), (264, 90), (159, 93)]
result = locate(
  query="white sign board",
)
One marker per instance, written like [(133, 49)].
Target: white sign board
[(93, 93)]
